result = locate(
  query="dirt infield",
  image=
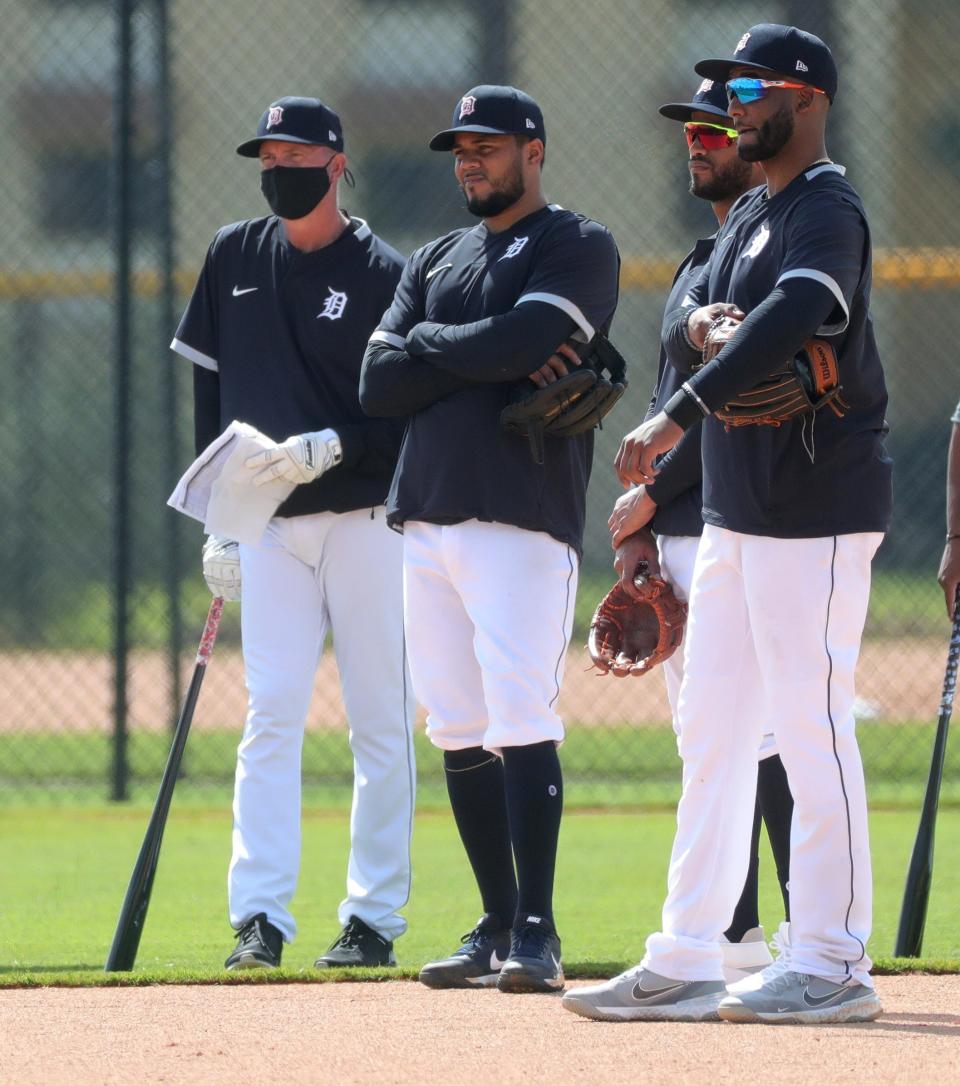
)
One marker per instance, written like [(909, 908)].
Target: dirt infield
[(897, 680), (400, 1033)]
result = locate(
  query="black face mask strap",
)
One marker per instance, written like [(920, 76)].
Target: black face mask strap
[(348, 177)]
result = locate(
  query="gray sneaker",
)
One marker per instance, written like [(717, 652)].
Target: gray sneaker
[(801, 999), (640, 994)]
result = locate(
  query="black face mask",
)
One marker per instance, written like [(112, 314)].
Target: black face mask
[(294, 191)]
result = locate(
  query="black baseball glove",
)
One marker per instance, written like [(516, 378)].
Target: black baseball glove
[(573, 404)]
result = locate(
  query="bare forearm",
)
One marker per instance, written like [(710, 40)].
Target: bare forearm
[(953, 484)]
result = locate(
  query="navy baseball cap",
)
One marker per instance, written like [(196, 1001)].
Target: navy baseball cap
[(711, 97), (296, 120), (502, 110), (781, 49)]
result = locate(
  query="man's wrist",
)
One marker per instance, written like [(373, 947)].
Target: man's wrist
[(685, 330), (685, 407), (331, 439)]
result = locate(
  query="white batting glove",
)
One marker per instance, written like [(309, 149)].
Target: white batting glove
[(300, 459), (221, 567)]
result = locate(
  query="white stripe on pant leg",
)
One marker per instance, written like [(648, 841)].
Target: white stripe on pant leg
[(719, 734), (282, 629), (809, 640), (362, 579), (443, 667), (518, 588)]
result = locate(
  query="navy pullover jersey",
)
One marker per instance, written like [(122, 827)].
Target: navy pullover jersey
[(677, 489), (456, 463), (285, 331), (808, 477)]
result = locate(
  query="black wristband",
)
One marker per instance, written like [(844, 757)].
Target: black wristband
[(685, 407)]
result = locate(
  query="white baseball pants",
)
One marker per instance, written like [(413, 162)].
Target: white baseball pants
[(778, 619), (678, 554), (310, 574), (489, 612)]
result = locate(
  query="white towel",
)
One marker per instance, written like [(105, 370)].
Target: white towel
[(218, 490)]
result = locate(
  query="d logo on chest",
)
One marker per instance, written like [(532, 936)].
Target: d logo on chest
[(514, 247), (334, 305), (760, 239)]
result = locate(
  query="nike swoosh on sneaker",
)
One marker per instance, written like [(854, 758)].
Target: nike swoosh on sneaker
[(246, 290), (436, 271), (496, 962), (641, 993), (820, 1001)]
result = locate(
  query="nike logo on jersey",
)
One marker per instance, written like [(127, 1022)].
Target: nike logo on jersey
[(246, 290), (436, 271)]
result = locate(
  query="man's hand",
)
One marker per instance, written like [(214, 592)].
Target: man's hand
[(635, 549), (221, 567), (700, 320), (559, 364), (633, 511), (300, 459), (641, 447), (949, 575)]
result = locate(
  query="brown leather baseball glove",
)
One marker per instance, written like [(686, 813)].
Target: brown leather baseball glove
[(628, 636), (804, 385), (719, 334)]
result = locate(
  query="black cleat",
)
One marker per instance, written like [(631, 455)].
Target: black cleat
[(534, 961), (259, 945), (358, 944), (477, 963)]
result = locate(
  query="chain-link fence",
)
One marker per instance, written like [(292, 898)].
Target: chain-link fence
[(118, 127)]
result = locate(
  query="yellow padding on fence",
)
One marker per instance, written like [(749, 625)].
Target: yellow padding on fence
[(900, 269)]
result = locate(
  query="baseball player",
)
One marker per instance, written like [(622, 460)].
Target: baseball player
[(793, 515), (949, 575), (672, 503), (492, 540), (276, 330)]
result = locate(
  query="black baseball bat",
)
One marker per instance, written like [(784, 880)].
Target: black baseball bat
[(916, 893), (133, 915)]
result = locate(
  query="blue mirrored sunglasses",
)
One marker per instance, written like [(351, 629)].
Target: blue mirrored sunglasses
[(747, 89)]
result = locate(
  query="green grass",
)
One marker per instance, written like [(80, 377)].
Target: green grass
[(902, 604), (605, 766), (67, 872)]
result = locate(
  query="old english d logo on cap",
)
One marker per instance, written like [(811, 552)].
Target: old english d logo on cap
[(275, 116), (468, 104), (742, 43)]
